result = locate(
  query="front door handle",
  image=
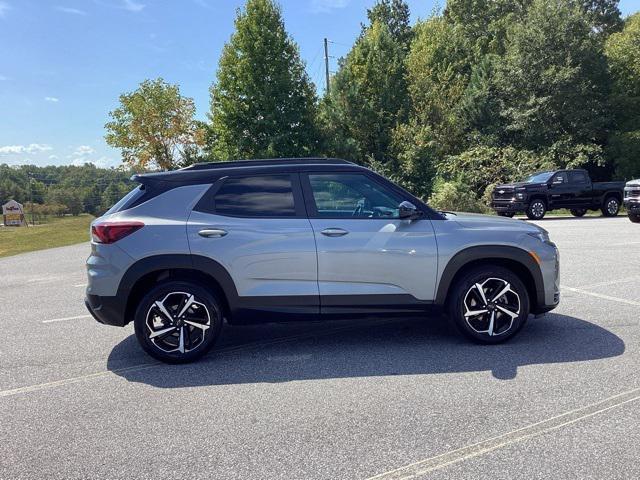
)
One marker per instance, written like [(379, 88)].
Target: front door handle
[(212, 233), (334, 232)]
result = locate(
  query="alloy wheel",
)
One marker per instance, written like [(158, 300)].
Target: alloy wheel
[(178, 322), (537, 208), (612, 206), (491, 307)]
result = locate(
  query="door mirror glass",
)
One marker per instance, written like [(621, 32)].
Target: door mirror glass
[(408, 210)]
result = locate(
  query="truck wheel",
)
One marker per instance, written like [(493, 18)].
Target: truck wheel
[(635, 218), (578, 212), (611, 207), (536, 210), (177, 321), (489, 304), (506, 214)]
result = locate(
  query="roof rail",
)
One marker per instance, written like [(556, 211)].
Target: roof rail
[(266, 161)]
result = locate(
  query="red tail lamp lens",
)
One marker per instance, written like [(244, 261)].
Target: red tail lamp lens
[(111, 232)]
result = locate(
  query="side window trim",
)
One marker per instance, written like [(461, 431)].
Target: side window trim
[(207, 203)]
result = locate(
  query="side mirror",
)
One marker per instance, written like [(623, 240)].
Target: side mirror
[(408, 210)]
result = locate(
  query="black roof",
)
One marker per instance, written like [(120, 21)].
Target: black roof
[(206, 172)]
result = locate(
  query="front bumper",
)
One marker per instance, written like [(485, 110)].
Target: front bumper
[(106, 310), (508, 206), (633, 206)]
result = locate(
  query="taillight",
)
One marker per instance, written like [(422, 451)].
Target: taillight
[(111, 232)]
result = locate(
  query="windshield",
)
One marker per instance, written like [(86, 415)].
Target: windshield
[(541, 177)]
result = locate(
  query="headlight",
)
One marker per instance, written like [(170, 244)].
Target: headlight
[(542, 235), (521, 196)]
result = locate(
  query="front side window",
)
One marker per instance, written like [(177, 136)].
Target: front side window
[(352, 196), (260, 196), (560, 178)]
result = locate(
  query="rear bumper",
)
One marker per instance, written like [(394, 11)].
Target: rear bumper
[(508, 206), (106, 310)]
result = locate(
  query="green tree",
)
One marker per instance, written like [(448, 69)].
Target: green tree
[(368, 97), (553, 85), (395, 15), (623, 54), (263, 102), (154, 127)]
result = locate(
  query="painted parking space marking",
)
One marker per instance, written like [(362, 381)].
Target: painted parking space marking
[(438, 462), (64, 319), (601, 296)]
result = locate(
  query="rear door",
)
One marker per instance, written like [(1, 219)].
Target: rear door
[(256, 227), (580, 181), (368, 258)]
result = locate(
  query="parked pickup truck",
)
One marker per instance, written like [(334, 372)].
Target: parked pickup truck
[(632, 200), (545, 191)]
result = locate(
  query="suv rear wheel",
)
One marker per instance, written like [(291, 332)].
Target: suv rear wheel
[(177, 321), (489, 304), (635, 218), (537, 209), (611, 207)]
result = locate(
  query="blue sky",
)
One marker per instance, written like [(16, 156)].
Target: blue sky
[(65, 62)]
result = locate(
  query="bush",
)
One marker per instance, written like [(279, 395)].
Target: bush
[(455, 195)]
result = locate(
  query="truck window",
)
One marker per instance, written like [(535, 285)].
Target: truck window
[(560, 178), (578, 177)]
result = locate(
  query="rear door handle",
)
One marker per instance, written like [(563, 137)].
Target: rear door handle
[(212, 233), (334, 232)]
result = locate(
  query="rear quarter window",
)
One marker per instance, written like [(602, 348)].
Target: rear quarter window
[(256, 196), (129, 199)]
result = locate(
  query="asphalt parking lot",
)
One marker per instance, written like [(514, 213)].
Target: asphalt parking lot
[(346, 400)]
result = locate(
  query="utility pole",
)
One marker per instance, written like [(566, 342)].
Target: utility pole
[(326, 62)]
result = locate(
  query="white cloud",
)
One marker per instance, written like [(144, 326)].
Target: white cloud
[(326, 6), (132, 6), (51, 99), (3, 78), (72, 11), (53, 157), (24, 149), (102, 162), (83, 151), (4, 7)]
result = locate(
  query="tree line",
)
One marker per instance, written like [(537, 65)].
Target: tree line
[(481, 92), (60, 190)]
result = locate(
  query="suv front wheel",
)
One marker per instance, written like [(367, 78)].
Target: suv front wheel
[(177, 321), (489, 304), (537, 209)]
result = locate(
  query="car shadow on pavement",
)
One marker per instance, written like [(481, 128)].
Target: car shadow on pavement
[(282, 353)]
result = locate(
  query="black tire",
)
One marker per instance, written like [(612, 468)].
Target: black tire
[(610, 206), (578, 212), (506, 214), (183, 342), (537, 209), (635, 218), (492, 279)]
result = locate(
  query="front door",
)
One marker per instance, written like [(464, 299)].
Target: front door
[(368, 258), (256, 228)]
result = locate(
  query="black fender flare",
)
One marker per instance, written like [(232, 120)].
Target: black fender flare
[(161, 262), (488, 253)]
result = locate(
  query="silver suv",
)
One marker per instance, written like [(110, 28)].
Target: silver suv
[(632, 200), (294, 239)]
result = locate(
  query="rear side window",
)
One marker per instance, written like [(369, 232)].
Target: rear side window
[(578, 177), (560, 178), (260, 196), (128, 200)]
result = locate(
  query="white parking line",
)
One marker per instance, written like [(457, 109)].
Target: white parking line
[(80, 285), (422, 467), (66, 318), (603, 297)]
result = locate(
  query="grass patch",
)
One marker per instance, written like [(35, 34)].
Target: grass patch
[(57, 232)]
